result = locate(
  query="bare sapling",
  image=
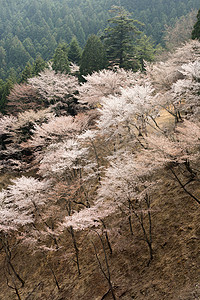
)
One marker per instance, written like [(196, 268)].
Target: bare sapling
[(10, 272), (105, 270), (140, 213)]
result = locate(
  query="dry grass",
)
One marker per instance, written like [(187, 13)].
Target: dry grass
[(172, 274)]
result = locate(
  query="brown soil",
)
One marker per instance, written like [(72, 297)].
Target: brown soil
[(173, 273)]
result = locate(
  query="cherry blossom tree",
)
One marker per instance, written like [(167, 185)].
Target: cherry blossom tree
[(187, 53), (6, 123), (22, 197), (182, 98), (54, 86), (61, 157), (57, 129), (91, 216), (164, 73), (14, 132), (106, 82), (176, 81), (25, 216), (126, 116), (128, 184), (173, 152), (23, 97), (19, 204)]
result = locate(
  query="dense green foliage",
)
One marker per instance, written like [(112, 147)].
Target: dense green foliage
[(32, 28), (74, 53), (60, 59), (93, 57), (5, 88), (119, 37), (196, 30), (144, 50), (34, 69)]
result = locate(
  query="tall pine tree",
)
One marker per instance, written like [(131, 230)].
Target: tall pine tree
[(27, 72), (196, 29), (144, 51), (74, 53), (60, 59), (118, 37), (93, 57), (39, 65)]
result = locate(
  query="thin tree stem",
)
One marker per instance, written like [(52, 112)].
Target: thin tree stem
[(183, 187)]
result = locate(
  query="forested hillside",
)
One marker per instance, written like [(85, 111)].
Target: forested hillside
[(99, 151), (99, 184), (29, 29)]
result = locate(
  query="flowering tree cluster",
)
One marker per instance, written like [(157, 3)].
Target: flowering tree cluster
[(176, 81), (129, 112), (164, 74), (188, 89), (104, 83), (53, 86), (19, 201), (14, 131), (46, 89), (23, 97), (104, 162), (128, 108), (58, 128)]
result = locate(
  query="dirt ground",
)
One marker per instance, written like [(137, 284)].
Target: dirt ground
[(173, 273)]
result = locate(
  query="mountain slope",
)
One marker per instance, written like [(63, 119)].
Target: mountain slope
[(28, 29)]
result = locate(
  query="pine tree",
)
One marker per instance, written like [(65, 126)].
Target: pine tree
[(119, 37), (93, 57), (5, 88), (144, 51), (2, 56), (39, 65), (74, 53), (196, 29), (17, 53), (60, 59), (27, 72)]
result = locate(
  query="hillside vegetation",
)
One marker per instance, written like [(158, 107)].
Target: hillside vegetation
[(29, 30), (100, 184)]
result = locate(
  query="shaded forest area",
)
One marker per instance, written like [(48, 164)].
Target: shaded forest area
[(29, 30)]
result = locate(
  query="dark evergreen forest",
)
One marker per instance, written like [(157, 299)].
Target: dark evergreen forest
[(29, 29)]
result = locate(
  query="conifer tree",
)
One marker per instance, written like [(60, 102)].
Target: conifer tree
[(74, 53), (119, 37), (196, 29), (93, 57), (144, 51), (60, 59), (39, 65), (33, 70), (27, 72), (5, 88)]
